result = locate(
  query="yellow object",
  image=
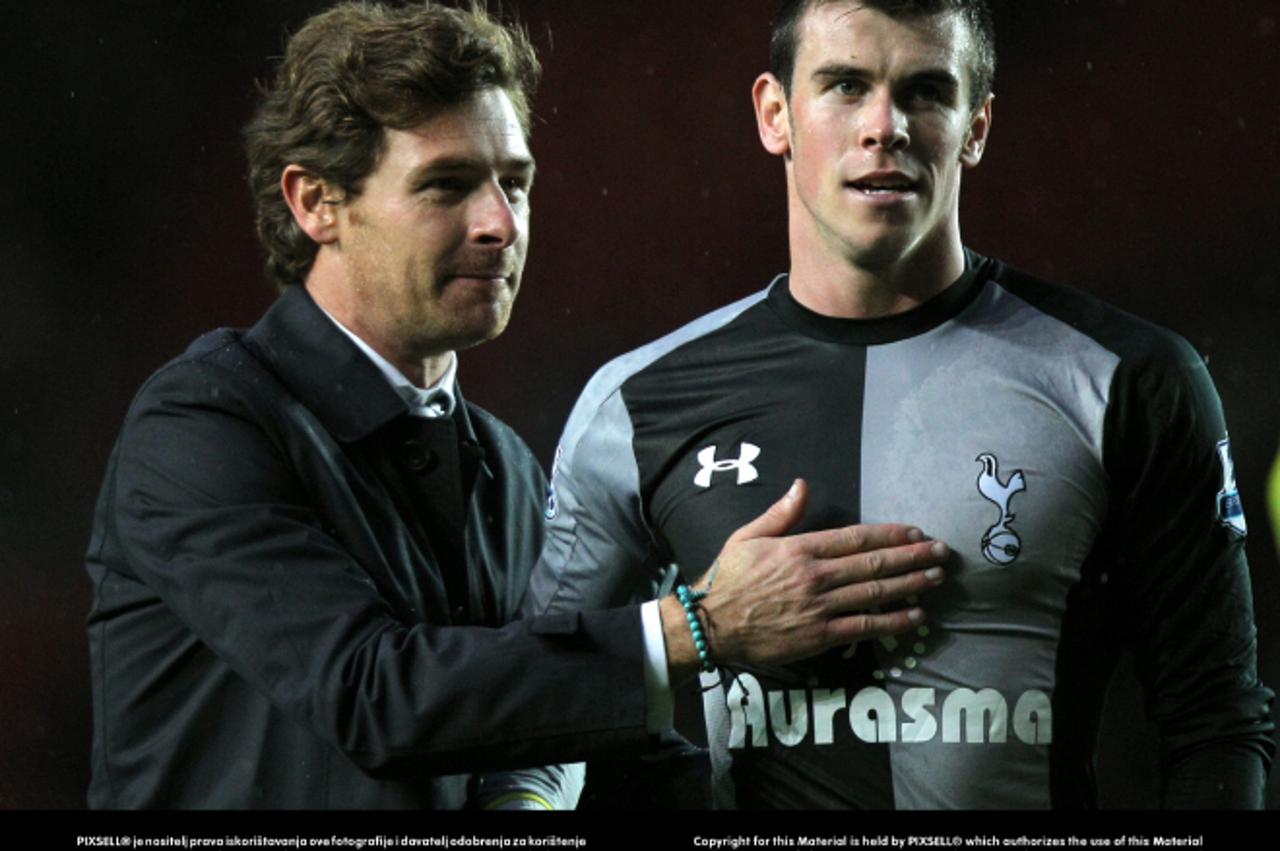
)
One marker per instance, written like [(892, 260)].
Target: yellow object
[(1273, 500), (512, 797)]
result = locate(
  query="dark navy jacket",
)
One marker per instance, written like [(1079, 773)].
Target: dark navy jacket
[(298, 589)]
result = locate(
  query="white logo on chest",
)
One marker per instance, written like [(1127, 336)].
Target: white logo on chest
[(1000, 544), (747, 472)]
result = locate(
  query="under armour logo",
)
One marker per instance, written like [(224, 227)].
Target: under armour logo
[(746, 470)]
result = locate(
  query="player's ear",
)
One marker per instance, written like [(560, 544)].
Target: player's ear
[(312, 202), (772, 119), (979, 129)]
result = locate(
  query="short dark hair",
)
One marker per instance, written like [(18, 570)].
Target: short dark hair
[(982, 65), (351, 72)]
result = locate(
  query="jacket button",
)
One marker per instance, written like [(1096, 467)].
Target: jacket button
[(417, 457)]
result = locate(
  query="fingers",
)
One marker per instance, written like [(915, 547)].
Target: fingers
[(880, 564), (856, 627), (847, 540), (867, 580), (858, 596), (777, 518), (816, 590)]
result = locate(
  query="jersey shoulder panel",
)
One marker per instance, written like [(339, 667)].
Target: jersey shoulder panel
[(1161, 384), (610, 378), (600, 548), (1130, 337)]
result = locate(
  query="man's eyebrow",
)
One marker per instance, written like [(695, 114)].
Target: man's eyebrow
[(469, 165), (526, 165), (938, 76), (839, 70), (844, 70)]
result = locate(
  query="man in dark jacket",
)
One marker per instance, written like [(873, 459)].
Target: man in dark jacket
[(308, 543)]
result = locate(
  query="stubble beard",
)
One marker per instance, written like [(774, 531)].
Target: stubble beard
[(446, 320)]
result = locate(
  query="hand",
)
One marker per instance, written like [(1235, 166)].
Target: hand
[(777, 599)]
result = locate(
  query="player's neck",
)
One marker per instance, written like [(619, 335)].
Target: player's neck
[(870, 287)]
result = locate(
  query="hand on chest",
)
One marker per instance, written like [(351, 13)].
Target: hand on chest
[(1014, 487)]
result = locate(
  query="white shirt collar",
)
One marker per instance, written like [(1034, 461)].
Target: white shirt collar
[(438, 400)]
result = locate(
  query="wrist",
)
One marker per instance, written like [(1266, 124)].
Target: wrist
[(691, 601), (682, 654)]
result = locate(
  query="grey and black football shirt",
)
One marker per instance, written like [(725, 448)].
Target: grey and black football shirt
[(1075, 459)]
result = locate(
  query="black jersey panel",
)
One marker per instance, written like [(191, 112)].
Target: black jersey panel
[(1183, 570), (1086, 661), (601, 549), (725, 423)]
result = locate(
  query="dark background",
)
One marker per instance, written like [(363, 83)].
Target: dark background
[(1134, 153)]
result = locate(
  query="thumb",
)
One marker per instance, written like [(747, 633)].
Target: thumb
[(777, 518)]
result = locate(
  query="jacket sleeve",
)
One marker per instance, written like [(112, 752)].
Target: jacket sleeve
[(1186, 597), (599, 551), (208, 512)]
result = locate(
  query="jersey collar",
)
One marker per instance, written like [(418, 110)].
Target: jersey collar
[(885, 329)]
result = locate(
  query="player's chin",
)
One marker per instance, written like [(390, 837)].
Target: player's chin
[(877, 247)]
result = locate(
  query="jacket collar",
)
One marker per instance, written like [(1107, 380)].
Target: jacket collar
[(324, 369)]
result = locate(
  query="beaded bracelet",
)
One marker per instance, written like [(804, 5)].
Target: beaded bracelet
[(689, 600)]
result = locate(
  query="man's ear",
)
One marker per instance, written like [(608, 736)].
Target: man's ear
[(312, 202), (979, 129), (772, 119)]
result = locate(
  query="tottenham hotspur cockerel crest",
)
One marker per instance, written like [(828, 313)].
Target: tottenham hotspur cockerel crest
[(1000, 544)]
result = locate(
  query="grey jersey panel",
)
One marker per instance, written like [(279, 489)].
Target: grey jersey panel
[(1019, 466)]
